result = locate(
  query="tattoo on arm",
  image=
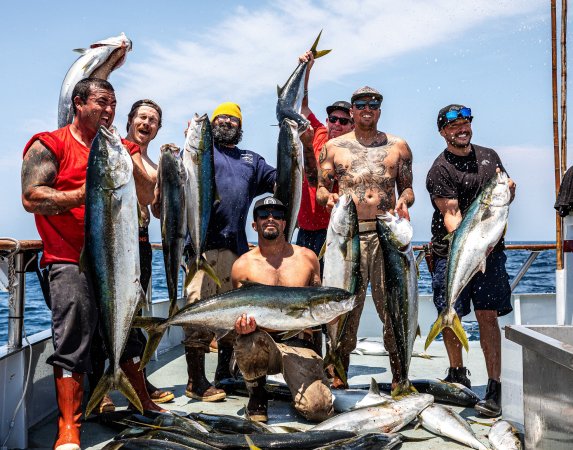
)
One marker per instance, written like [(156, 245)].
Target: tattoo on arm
[(39, 171), (405, 178)]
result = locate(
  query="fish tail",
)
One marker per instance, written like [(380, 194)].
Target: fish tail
[(315, 52), (460, 332), (403, 389), (251, 444), (192, 269), (124, 386), (103, 387), (449, 320), (436, 329), (155, 328), (173, 308), (205, 266)]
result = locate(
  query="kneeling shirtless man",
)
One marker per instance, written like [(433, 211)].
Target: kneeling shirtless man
[(260, 352)]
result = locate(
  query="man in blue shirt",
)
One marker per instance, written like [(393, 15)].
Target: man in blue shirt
[(240, 176)]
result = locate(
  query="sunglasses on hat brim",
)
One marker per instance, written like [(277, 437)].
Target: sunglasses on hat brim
[(463, 113)]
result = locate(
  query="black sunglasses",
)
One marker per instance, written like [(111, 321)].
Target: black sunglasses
[(342, 120), (276, 213), (373, 105)]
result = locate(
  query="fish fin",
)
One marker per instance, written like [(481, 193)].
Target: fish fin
[(251, 444), (359, 352), (459, 331), (374, 389), (288, 334), (425, 355), (205, 266), (296, 313), (481, 266), (124, 386), (437, 327), (477, 422), (81, 51), (155, 328), (448, 237), (403, 389), (279, 90), (322, 250), (418, 332), (486, 214), (103, 387), (315, 52)]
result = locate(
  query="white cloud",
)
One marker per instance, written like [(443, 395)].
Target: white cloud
[(246, 54)]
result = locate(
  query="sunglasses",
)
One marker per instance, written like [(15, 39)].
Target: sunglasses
[(225, 117), (266, 213), (342, 120), (463, 113), (373, 105)]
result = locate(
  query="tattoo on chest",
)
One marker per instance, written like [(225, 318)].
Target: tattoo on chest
[(366, 173)]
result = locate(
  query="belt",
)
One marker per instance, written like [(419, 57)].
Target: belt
[(366, 226)]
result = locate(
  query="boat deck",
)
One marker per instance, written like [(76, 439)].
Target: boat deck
[(169, 372)]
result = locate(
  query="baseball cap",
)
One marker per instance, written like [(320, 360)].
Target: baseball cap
[(366, 91), (459, 112), (268, 202), (339, 105)]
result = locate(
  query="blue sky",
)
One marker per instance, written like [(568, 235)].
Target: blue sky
[(491, 55)]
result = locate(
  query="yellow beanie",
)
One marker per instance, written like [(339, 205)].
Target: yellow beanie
[(228, 108)]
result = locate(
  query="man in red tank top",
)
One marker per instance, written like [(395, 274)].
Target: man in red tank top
[(53, 189)]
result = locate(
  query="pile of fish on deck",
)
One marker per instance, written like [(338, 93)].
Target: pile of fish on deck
[(186, 184)]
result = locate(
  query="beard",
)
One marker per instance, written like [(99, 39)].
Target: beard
[(271, 235), (227, 135)]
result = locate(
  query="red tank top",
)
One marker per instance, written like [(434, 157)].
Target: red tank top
[(63, 234), (311, 215)]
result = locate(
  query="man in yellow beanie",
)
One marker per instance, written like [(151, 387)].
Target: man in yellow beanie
[(240, 176)]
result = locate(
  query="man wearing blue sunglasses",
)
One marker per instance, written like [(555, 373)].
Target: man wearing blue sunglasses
[(454, 181), (376, 169)]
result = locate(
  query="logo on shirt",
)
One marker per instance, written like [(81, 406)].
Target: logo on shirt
[(247, 157), (485, 162)]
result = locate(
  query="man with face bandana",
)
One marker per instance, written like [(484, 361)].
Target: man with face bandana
[(454, 181), (240, 176), (262, 352)]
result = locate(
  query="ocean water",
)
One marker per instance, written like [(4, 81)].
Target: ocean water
[(539, 279)]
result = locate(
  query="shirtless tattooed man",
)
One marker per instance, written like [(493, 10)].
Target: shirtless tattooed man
[(376, 169)]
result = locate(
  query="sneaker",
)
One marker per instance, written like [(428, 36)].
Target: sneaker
[(459, 375), (490, 406)]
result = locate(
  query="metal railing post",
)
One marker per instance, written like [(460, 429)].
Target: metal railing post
[(523, 270), (16, 305)]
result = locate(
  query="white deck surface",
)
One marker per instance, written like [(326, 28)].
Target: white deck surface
[(170, 373)]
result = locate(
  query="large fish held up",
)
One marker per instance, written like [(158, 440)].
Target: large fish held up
[(111, 253), (90, 60), (401, 291), (201, 192), (273, 307), (481, 229), (341, 268), (172, 184), (289, 173), (289, 149)]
